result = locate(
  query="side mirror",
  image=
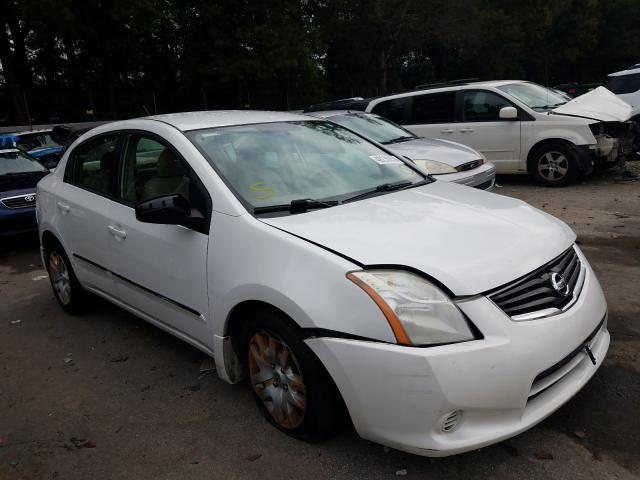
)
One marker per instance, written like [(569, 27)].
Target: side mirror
[(169, 210), (508, 113)]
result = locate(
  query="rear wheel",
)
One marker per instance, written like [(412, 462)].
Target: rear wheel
[(554, 165), (66, 288), (293, 390)]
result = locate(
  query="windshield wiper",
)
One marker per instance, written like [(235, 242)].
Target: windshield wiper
[(385, 187), (296, 206), (398, 140)]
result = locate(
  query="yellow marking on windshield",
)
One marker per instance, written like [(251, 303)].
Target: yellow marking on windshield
[(264, 190)]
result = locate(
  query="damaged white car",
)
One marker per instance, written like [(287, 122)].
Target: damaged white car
[(521, 127)]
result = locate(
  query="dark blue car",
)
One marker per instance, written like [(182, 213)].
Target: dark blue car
[(19, 175), (39, 144)]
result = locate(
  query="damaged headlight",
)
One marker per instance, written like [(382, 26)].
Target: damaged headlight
[(418, 312)]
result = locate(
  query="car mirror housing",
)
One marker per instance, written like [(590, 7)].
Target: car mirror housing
[(169, 210), (508, 113)]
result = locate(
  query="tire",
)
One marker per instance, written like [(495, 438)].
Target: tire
[(554, 164), (293, 390), (68, 292)]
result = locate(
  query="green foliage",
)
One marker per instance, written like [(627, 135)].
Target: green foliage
[(130, 57)]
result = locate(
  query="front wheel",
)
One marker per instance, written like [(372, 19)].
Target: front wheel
[(293, 390), (554, 165)]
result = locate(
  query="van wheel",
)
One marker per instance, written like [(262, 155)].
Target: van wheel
[(554, 165), (68, 292), (293, 390)]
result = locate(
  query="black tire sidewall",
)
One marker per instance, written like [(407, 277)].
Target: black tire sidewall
[(572, 159), (324, 410)]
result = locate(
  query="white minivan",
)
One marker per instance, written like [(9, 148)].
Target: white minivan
[(521, 127), (331, 273)]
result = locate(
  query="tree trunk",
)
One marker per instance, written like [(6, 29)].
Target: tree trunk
[(10, 75)]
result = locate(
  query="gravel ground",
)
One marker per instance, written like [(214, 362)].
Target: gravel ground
[(107, 396)]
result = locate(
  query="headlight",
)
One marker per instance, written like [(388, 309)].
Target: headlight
[(418, 312), (434, 168)]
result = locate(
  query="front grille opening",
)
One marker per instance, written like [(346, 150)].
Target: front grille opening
[(556, 367), (535, 291)]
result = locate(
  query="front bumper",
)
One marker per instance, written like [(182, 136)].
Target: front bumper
[(19, 220), (400, 396), (483, 177)]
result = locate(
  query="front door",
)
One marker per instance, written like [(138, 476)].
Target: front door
[(482, 129), (160, 270)]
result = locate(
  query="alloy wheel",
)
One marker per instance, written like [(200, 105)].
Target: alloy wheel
[(276, 378), (60, 277), (553, 166)]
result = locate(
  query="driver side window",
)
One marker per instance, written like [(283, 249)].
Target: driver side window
[(483, 106)]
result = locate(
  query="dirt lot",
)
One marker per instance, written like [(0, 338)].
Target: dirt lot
[(107, 396)]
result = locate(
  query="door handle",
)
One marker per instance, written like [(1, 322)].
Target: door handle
[(446, 130), (117, 232), (466, 130), (62, 207)]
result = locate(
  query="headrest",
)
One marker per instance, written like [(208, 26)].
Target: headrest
[(169, 165)]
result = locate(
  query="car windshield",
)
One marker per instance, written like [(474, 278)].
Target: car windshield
[(277, 163), (534, 96), (374, 127), (14, 162), (31, 141)]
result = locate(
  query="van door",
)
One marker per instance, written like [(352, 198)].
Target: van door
[(482, 129)]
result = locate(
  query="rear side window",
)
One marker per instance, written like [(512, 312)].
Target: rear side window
[(483, 106), (434, 108), (395, 110), (93, 165), (624, 83)]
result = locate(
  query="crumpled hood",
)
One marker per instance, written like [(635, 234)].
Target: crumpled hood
[(470, 240), (598, 104), (451, 153)]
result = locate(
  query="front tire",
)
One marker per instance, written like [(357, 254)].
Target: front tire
[(68, 292), (554, 164), (293, 390)]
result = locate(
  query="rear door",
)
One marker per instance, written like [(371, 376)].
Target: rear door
[(160, 270), (83, 203), (482, 129), (431, 115)]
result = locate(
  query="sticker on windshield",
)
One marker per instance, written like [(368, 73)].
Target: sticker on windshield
[(385, 159)]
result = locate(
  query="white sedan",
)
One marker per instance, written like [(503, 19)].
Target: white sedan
[(330, 272)]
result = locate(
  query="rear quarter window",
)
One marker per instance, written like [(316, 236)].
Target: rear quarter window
[(396, 109)]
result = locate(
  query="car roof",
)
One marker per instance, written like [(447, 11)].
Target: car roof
[(224, 118), (335, 113), (446, 88), (629, 71)]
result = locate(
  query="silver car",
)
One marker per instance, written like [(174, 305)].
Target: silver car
[(446, 160)]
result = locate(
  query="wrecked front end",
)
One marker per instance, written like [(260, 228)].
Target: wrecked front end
[(614, 141)]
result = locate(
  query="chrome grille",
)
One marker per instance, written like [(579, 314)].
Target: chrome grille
[(20, 201), (544, 292)]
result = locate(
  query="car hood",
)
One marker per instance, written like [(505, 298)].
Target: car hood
[(469, 240), (451, 153), (598, 104)]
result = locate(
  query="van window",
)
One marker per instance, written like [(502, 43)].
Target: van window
[(483, 106), (434, 108), (394, 109), (624, 83)]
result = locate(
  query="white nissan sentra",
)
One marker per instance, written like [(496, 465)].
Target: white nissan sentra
[(330, 273)]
